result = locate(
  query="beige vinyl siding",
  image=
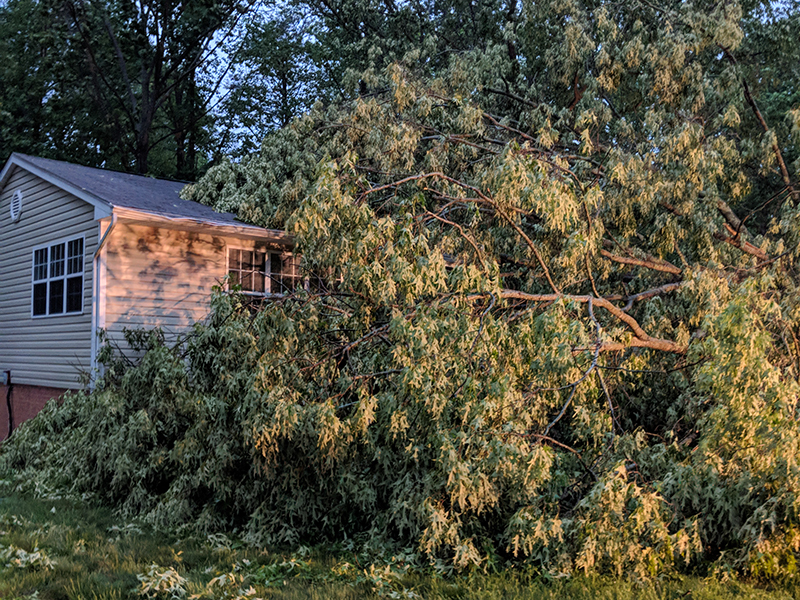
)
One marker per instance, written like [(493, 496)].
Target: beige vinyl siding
[(53, 350), (158, 277)]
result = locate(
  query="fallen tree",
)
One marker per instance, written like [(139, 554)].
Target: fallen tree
[(561, 333)]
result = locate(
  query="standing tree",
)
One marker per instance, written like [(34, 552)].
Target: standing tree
[(142, 55), (43, 103), (134, 78), (277, 76)]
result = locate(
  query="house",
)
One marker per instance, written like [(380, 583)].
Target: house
[(84, 250)]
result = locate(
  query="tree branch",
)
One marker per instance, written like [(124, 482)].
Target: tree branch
[(730, 216), (747, 247), (669, 287), (641, 339), (485, 198), (664, 266), (471, 242), (734, 239), (761, 121)]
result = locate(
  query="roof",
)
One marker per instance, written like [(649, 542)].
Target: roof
[(144, 196)]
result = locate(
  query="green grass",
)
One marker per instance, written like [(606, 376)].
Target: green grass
[(59, 550)]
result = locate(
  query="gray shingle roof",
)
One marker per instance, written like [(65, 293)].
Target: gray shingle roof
[(145, 194)]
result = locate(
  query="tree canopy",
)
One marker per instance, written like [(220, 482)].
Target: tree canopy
[(560, 319), (125, 85)]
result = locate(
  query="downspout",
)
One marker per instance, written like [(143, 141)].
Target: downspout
[(96, 291), (8, 403), (105, 235)]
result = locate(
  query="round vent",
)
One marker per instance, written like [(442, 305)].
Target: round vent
[(16, 206)]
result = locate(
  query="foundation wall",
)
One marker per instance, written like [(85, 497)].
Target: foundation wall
[(26, 402)]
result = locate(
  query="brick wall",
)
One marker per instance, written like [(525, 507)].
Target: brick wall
[(26, 401)]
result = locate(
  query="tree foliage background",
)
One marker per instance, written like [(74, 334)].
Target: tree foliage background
[(560, 323), (125, 85)]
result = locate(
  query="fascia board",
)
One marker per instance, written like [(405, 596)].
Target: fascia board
[(224, 229)]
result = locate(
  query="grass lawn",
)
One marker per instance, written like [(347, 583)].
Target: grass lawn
[(53, 550)]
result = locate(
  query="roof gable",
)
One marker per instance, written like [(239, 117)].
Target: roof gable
[(146, 196), (101, 207)]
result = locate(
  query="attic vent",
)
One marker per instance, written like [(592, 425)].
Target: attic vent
[(16, 206)]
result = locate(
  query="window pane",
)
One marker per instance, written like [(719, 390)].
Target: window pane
[(40, 264), (233, 278), (320, 285), (291, 265), (57, 261), (75, 256), (247, 282), (55, 303), (234, 259), (40, 299), (74, 294), (291, 283), (275, 263), (247, 260), (260, 263), (258, 282)]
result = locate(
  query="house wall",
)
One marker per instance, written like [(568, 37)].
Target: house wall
[(159, 277), (49, 351)]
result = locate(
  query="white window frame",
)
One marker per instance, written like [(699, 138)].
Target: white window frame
[(269, 279), (228, 269), (63, 277)]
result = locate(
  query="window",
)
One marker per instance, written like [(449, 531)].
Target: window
[(58, 279), (284, 273), (260, 272), (248, 269)]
